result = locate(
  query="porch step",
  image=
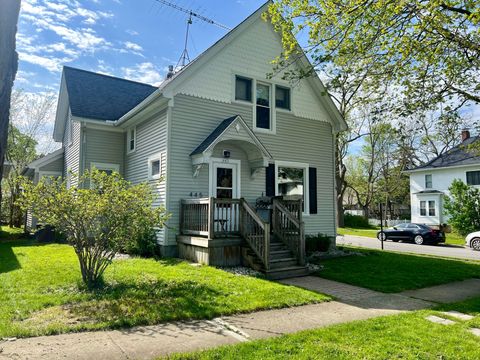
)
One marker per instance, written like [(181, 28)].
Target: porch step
[(283, 263), (280, 254), (288, 272)]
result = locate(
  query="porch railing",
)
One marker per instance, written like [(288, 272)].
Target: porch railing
[(210, 217), (288, 226), (217, 218), (256, 233)]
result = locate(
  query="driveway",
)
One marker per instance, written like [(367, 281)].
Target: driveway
[(439, 250)]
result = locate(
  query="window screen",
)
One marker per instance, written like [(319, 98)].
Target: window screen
[(473, 177), (243, 88)]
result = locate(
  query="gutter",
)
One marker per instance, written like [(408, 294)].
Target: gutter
[(147, 101)]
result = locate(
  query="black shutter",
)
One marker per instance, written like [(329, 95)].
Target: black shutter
[(270, 180), (312, 190)]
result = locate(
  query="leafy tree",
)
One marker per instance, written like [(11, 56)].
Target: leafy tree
[(430, 48), (463, 207), (97, 220), (20, 152)]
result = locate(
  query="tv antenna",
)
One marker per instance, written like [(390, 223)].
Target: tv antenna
[(185, 58)]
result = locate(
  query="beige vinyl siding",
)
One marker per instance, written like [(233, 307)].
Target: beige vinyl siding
[(72, 150), (103, 146), (151, 139), (297, 140)]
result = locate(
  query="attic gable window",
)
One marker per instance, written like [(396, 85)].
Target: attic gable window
[(243, 88), (428, 181), (282, 97)]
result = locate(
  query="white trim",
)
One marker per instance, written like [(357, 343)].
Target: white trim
[(226, 163), (151, 159), (306, 185), (105, 166), (442, 168), (129, 139)]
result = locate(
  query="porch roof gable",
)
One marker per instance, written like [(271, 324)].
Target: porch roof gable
[(222, 132)]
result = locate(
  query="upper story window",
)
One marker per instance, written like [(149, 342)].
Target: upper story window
[(428, 181), (263, 116), (265, 98), (473, 177), (131, 139), (243, 88), (282, 97)]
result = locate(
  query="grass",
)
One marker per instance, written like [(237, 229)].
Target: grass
[(41, 292), (8, 233), (405, 336), (393, 272), (453, 238)]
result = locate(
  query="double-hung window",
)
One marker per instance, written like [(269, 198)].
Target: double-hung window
[(263, 107), (423, 208), (431, 208), (292, 180), (131, 139), (473, 177), (428, 181)]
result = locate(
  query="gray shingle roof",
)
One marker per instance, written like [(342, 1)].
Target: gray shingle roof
[(214, 135), (462, 154), (102, 97)]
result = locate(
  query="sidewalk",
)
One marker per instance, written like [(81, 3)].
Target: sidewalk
[(352, 303)]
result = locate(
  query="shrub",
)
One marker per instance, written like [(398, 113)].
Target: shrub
[(319, 242), (144, 245), (99, 220), (356, 221), (463, 207)]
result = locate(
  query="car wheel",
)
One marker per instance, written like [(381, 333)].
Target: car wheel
[(418, 240), (382, 236), (475, 244)]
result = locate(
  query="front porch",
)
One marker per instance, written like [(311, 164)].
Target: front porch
[(230, 232)]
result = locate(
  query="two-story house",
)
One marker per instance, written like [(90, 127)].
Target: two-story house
[(430, 182), (221, 134)]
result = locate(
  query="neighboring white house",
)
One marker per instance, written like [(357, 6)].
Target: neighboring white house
[(429, 183), (220, 135)]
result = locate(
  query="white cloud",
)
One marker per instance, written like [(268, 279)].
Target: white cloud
[(52, 64), (145, 72), (132, 32), (132, 46)]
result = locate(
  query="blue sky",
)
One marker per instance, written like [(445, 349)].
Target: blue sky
[(135, 39)]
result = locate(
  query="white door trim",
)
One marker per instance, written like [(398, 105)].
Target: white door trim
[(227, 163)]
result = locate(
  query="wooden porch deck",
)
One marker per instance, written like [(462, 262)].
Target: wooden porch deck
[(229, 232)]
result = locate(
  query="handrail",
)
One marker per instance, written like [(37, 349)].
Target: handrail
[(289, 229), (196, 201), (287, 213), (256, 233)]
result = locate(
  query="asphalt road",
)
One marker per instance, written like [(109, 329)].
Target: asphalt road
[(452, 251)]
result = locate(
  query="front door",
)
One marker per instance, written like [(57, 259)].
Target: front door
[(225, 184)]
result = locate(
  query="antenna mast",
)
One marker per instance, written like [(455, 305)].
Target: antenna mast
[(185, 58)]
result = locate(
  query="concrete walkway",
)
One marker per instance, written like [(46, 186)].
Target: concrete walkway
[(352, 303)]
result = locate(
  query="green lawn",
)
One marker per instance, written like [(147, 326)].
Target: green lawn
[(393, 272), (41, 292), (8, 233), (406, 336), (453, 238)]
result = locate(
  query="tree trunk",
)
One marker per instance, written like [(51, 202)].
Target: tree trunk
[(9, 11)]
